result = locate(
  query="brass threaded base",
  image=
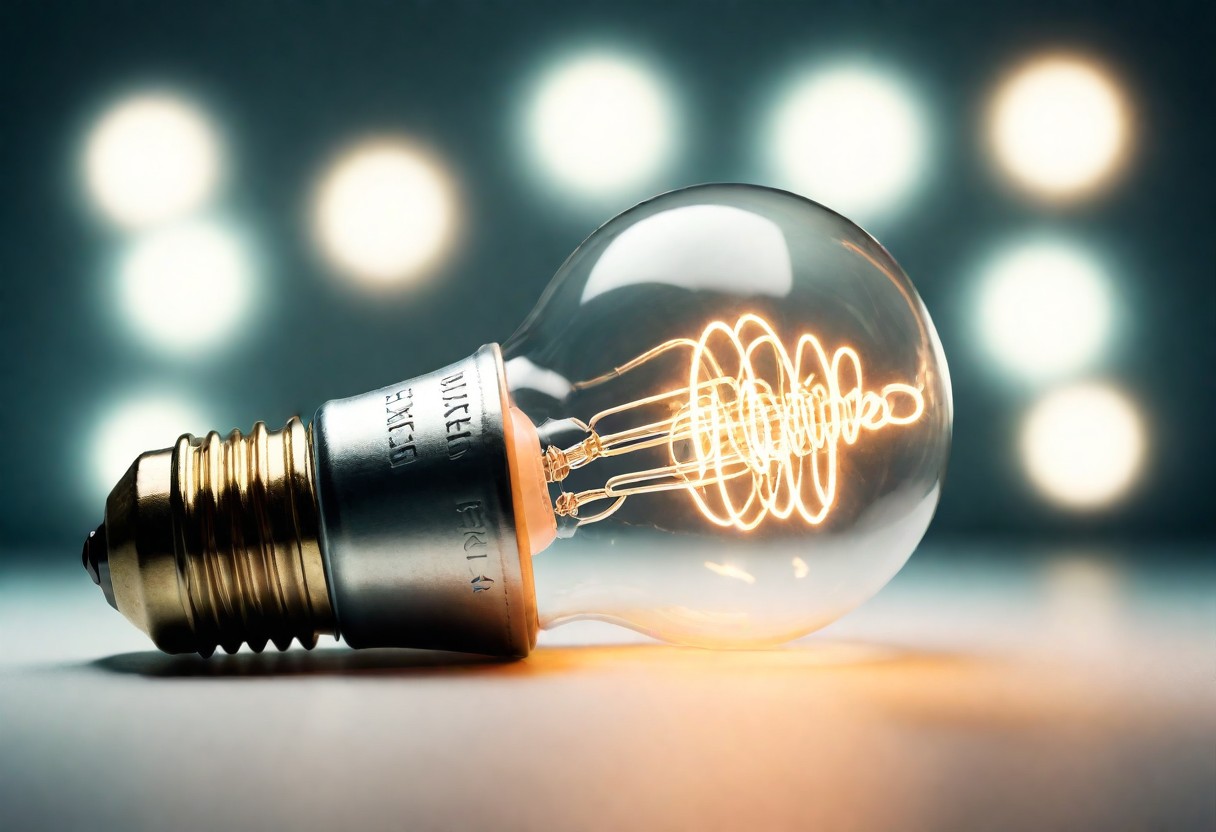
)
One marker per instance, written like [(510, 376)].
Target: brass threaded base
[(246, 539), (215, 542)]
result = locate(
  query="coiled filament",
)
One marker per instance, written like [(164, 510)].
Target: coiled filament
[(756, 433)]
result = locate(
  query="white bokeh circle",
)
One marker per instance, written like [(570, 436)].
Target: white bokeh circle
[(851, 137), (1045, 308), (1060, 126), (600, 123), (151, 157), (384, 212), (186, 288), (1083, 446)]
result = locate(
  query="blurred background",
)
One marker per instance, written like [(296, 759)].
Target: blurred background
[(228, 212), (223, 212)]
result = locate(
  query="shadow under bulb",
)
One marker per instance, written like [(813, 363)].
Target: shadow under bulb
[(730, 404)]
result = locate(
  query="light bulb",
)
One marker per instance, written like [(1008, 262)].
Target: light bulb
[(730, 399)]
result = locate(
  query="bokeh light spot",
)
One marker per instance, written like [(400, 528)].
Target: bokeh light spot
[(149, 421), (150, 158), (383, 213), (601, 123), (852, 138), (1059, 126), (186, 287), (1083, 446), (1045, 308)]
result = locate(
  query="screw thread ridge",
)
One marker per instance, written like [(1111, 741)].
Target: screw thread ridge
[(246, 539)]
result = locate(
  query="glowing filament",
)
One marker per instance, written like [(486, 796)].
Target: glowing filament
[(755, 433)]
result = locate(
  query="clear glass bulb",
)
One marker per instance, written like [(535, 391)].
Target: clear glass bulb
[(745, 414)]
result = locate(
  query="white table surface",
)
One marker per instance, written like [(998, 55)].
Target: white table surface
[(982, 689)]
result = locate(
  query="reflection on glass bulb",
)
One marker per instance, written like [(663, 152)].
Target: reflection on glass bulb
[(727, 570)]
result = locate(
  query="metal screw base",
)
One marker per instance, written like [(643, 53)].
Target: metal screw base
[(214, 543)]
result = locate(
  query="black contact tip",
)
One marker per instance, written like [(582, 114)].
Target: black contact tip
[(94, 552), (96, 560)]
